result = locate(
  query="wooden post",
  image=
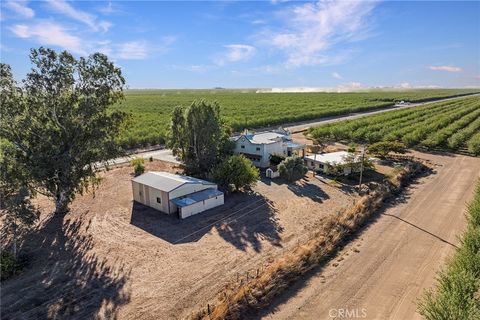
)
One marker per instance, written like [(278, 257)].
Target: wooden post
[(361, 169)]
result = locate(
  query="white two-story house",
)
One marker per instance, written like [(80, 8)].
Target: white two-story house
[(258, 147)]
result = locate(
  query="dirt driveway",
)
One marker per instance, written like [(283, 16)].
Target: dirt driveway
[(110, 258), (382, 273)]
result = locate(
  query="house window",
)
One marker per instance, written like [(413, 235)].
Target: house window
[(321, 166), (313, 164), (159, 200), (140, 193), (243, 147), (258, 148)]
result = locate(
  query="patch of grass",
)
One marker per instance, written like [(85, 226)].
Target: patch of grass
[(457, 293)]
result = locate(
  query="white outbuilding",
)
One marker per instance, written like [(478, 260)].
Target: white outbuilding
[(324, 162), (175, 194)]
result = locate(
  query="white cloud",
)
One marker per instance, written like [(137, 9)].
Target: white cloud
[(445, 68), (312, 29), (337, 75), (134, 50), (405, 85), (235, 53), (48, 33), (21, 8), (238, 52), (63, 7)]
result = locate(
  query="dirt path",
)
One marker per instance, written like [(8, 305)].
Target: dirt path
[(382, 273)]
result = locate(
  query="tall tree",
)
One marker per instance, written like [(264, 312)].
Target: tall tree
[(18, 214), (198, 137), (177, 134), (59, 121)]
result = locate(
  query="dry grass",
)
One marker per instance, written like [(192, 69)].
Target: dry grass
[(238, 301)]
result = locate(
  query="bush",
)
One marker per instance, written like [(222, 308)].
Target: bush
[(276, 160), (292, 168), (383, 148), (138, 166), (9, 266), (237, 171)]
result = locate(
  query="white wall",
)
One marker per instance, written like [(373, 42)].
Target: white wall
[(264, 150), (198, 207), (315, 165), (148, 196)]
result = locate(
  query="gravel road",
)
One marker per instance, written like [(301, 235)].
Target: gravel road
[(382, 273)]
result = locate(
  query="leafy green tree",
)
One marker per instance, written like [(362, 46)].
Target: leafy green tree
[(199, 138), (59, 121), (383, 148), (177, 134), (237, 171), (292, 168), (275, 160), (336, 169), (18, 214)]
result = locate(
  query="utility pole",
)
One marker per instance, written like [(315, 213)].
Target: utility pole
[(361, 169)]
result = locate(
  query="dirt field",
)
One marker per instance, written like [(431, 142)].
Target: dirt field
[(382, 273), (111, 258)]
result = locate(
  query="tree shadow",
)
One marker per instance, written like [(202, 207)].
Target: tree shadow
[(304, 188), (244, 220), (64, 280)]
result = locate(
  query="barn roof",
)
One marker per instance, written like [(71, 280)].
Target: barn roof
[(166, 181), (196, 197)]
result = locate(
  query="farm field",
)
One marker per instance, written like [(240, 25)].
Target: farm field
[(450, 125), (110, 258), (150, 109)]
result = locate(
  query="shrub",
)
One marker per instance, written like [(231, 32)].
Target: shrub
[(9, 266), (275, 160), (237, 171), (383, 148), (138, 166), (292, 168)]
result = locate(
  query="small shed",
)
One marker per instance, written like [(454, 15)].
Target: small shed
[(197, 202), (323, 162), (272, 172), (176, 194)]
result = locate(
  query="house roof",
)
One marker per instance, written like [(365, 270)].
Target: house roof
[(264, 137), (196, 197), (332, 157), (167, 181)]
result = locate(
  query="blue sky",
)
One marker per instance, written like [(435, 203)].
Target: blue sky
[(342, 45)]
